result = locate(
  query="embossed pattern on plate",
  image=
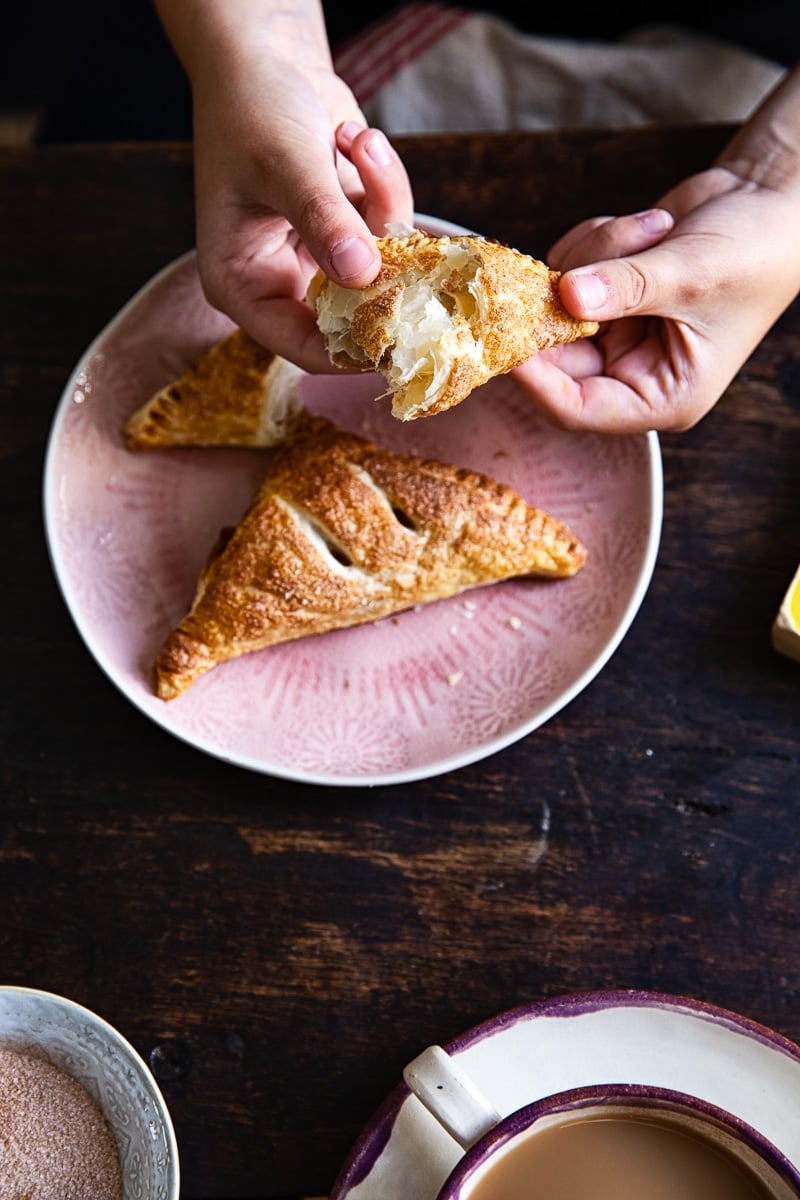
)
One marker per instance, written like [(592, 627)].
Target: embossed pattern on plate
[(427, 691)]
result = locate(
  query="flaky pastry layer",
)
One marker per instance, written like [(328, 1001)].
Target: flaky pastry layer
[(444, 315)]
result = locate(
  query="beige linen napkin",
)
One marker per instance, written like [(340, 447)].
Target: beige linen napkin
[(437, 68)]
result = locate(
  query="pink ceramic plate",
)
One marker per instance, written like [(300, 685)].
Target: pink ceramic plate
[(428, 691)]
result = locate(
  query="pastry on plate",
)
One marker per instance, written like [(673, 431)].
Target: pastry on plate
[(444, 315), (236, 394), (342, 533)]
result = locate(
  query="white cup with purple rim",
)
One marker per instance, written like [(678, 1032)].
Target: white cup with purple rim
[(583, 1139)]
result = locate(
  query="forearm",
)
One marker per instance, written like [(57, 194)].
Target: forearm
[(203, 32), (766, 150)]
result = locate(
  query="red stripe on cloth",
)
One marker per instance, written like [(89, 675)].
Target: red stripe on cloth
[(394, 45), (361, 45), (401, 56), (348, 55)]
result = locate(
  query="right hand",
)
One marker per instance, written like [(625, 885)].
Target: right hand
[(287, 176)]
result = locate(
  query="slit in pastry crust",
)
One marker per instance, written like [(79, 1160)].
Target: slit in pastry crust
[(444, 315), (342, 533)]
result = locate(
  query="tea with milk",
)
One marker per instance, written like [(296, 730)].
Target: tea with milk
[(614, 1158)]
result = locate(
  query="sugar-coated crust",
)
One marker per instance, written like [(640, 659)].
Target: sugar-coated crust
[(341, 533), (221, 399), (520, 315)]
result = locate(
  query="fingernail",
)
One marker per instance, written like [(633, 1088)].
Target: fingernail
[(591, 290), (350, 130), (655, 220), (350, 257), (379, 150)]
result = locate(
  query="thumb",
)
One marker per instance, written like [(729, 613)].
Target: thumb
[(330, 227), (640, 285)]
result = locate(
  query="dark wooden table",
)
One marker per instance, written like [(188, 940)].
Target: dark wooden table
[(277, 951)]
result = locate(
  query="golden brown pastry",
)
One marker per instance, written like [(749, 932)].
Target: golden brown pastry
[(444, 315), (343, 533), (236, 394)]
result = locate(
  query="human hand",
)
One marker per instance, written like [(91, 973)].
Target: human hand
[(287, 176), (684, 292)]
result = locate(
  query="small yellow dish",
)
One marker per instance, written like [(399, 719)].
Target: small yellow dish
[(786, 626)]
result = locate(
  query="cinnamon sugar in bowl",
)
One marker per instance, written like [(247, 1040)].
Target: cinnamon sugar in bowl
[(80, 1113)]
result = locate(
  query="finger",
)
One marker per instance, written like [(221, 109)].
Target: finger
[(579, 359), (346, 134), (623, 404), (594, 403), (260, 258), (640, 380), (387, 189), (313, 200), (555, 393), (572, 238), (611, 237), (289, 329), (652, 283)]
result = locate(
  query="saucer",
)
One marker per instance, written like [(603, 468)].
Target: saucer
[(574, 1041)]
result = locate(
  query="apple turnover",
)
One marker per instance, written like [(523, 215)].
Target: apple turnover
[(444, 315), (342, 533), (236, 394)]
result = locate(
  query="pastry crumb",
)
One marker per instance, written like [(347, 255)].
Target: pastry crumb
[(455, 677), (514, 623)]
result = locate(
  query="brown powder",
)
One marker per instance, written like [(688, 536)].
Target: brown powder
[(55, 1143)]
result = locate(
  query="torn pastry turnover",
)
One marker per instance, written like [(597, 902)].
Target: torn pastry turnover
[(236, 394), (342, 533), (444, 315)]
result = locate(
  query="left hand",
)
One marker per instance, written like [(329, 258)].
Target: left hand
[(684, 292)]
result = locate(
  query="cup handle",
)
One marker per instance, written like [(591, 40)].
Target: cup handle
[(450, 1096)]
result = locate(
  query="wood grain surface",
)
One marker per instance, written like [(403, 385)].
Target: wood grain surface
[(277, 951)]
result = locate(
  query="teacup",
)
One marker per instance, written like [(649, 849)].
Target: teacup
[(614, 1141)]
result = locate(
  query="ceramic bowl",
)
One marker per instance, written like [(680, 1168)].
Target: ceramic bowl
[(83, 1045)]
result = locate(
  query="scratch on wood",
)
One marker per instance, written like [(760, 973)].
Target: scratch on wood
[(539, 847), (585, 798)]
